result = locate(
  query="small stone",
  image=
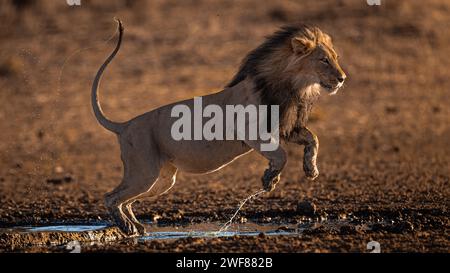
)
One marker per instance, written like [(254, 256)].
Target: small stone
[(306, 208), (40, 134), (156, 217), (282, 228), (391, 109), (58, 170), (181, 212), (285, 229), (55, 181), (405, 226), (68, 178), (58, 179)]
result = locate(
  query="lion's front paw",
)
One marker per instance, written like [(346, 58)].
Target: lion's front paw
[(270, 179), (311, 171)]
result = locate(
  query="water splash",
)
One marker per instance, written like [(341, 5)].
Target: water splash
[(228, 224)]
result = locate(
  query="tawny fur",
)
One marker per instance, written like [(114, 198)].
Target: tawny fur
[(289, 69)]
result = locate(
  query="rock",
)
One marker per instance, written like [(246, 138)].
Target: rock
[(285, 229), (58, 170), (156, 217), (40, 134), (403, 227), (306, 208), (391, 109), (68, 178), (61, 179)]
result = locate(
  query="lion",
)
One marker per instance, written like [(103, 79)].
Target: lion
[(289, 69)]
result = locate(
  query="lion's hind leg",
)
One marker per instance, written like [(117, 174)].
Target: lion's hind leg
[(165, 182), (141, 171)]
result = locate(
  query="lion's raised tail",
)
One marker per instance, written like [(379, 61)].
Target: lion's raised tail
[(102, 119)]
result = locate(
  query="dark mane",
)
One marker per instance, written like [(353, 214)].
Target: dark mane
[(294, 111), (250, 63)]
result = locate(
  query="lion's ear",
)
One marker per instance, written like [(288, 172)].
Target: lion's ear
[(327, 39), (302, 45)]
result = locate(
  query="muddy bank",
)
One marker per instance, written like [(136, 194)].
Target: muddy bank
[(24, 240)]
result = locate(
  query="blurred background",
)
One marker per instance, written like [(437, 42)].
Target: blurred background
[(384, 137)]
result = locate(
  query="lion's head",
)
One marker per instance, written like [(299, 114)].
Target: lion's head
[(291, 68), (316, 60), (299, 57)]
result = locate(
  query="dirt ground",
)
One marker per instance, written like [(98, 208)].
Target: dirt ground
[(384, 154)]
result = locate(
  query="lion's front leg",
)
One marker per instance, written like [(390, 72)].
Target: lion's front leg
[(310, 158), (277, 160), (303, 136), (271, 178)]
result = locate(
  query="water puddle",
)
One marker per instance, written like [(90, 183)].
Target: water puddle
[(74, 228), (100, 233), (213, 230), (155, 232), (216, 230)]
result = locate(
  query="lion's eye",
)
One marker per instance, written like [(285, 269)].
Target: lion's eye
[(325, 61)]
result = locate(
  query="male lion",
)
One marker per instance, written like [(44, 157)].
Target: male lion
[(289, 69)]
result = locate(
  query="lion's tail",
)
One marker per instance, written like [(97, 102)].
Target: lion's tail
[(102, 119)]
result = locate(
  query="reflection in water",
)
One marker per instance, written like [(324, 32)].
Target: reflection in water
[(204, 230), (74, 228)]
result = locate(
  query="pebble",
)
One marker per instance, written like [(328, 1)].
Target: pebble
[(59, 169), (59, 180), (306, 208)]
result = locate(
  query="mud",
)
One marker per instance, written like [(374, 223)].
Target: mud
[(384, 139), (23, 239)]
